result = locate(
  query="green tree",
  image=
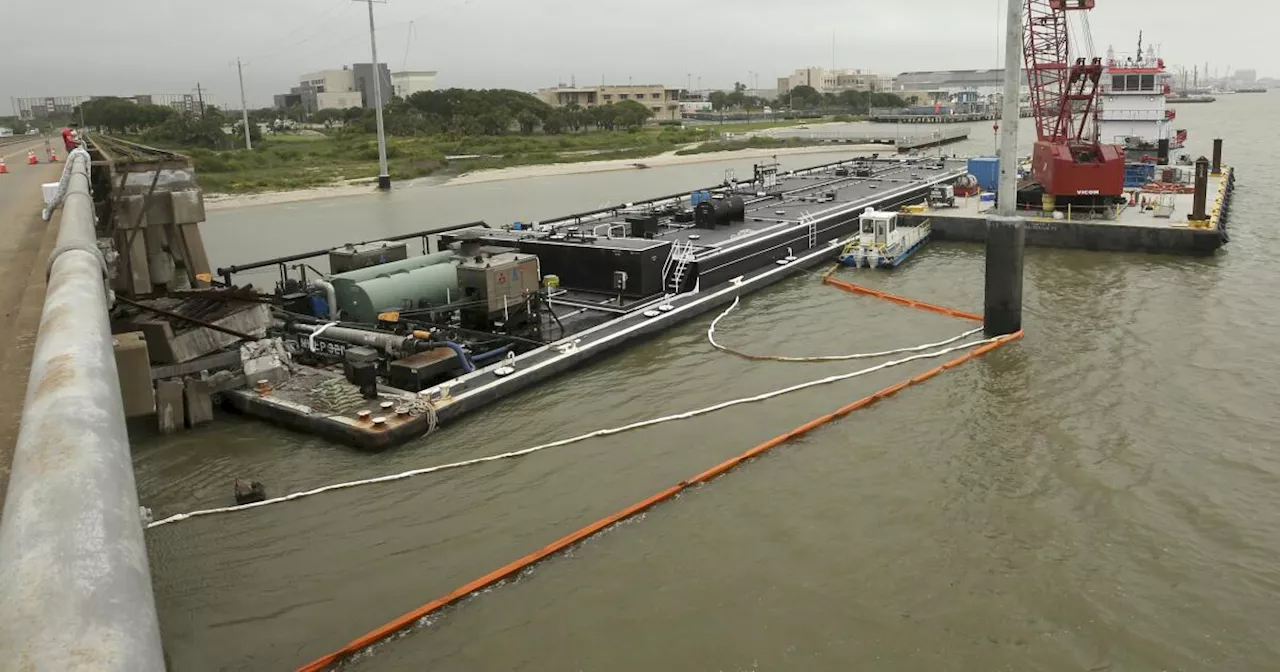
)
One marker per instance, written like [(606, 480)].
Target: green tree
[(556, 122), (604, 116), (719, 100), (188, 130), (630, 114), (237, 132), (805, 97), (528, 121), (329, 117)]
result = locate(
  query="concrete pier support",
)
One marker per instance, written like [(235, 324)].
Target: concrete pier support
[(1002, 307)]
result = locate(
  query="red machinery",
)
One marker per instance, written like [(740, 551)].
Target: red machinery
[(1067, 160)]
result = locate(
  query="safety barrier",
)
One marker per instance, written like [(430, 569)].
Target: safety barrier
[(75, 587), (911, 303), (407, 620)]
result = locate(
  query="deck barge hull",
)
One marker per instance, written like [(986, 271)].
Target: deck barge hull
[(804, 224)]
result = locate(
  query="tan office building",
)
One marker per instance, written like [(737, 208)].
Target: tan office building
[(663, 101)]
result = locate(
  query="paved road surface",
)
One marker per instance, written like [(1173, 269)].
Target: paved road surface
[(25, 244)]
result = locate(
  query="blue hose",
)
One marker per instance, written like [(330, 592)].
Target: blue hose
[(486, 356), (462, 355)]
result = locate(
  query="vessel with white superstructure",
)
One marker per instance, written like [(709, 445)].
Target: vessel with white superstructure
[(1135, 112)]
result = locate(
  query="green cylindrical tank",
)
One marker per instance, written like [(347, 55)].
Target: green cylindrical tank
[(407, 289), (362, 274)]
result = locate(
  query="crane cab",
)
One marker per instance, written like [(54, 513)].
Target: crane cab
[(1067, 5)]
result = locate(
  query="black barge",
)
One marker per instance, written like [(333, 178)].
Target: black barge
[(386, 346)]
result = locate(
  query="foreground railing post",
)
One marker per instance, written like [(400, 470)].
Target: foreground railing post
[(75, 588)]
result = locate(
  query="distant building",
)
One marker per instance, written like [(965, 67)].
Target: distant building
[(1246, 76), (31, 109), (352, 86), (834, 81), (363, 73), (325, 90), (408, 82), (663, 101), (284, 101), (983, 82)]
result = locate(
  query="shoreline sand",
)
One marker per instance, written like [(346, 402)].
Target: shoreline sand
[(217, 202)]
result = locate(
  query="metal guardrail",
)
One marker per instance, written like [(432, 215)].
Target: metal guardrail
[(17, 139), (75, 586)]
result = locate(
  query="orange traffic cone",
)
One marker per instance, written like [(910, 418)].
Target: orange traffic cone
[(3, 168), (31, 158), (53, 155)]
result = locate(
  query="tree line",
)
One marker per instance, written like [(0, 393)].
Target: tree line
[(472, 112), (164, 125), (856, 102)]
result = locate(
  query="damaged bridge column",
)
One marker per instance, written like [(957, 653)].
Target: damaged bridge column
[(156, 231)]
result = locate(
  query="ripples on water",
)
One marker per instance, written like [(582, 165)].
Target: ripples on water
[(1102, 495)]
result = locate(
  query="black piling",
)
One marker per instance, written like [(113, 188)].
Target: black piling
[(1217, 156), (1162, 152), (1199, 201), (1002, 309)]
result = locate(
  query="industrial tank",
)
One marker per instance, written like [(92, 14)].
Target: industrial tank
[(429, 280), (370, 272)]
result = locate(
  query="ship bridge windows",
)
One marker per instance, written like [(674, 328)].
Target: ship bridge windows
[(1133, 82)]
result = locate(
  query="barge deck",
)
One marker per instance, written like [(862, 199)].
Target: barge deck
[(801, 219), (1159, 227)]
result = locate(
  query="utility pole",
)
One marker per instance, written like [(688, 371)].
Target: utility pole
[(244, 107), (200, 97), (384, 178), (1007, 197)]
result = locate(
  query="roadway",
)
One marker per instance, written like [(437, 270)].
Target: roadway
[(26, 242)]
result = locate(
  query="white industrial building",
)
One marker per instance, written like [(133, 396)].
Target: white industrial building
[(408, 82), (329, 90)]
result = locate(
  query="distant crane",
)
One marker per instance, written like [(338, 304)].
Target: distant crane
[(1067, 161)]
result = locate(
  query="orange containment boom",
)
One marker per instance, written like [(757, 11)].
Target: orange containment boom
[(900, 300), (515, 567)]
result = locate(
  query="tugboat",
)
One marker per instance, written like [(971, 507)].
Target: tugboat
[(1135, 112), (881, 243)]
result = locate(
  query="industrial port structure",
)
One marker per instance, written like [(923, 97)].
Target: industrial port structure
[(384, 345)]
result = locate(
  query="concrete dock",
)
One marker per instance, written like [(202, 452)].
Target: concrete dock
[(1160, 227)]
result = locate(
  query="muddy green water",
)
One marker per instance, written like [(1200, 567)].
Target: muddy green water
[(1104, 495)]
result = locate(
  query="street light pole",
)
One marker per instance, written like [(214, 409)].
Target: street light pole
[(384, 178)]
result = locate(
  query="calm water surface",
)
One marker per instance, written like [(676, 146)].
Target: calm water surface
[(1103, 495)]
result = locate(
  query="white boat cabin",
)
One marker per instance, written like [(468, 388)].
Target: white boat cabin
[(881, 242), (878, 229)]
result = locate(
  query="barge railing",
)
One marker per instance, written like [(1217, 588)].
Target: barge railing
[(75, 586)]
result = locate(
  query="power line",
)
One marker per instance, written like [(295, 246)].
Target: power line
[(318, 29)]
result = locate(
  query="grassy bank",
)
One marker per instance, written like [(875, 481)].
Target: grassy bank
[(285, 162)]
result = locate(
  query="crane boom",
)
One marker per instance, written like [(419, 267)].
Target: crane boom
[(1067, 159)]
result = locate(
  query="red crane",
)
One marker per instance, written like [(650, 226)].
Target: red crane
[(1068, 160)]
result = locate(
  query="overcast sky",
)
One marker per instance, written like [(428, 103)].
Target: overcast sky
[(82, 47)]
